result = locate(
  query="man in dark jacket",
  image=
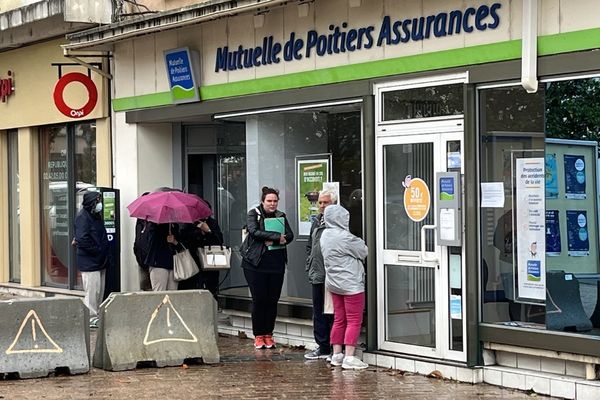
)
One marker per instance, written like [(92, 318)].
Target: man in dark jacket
[(92, 252), (316, 276)]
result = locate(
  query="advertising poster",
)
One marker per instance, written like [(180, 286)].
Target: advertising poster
[(312, 173), (531, 219), (108, 209), (551, 177), (417, 198), (553, 248), (574, 177), (577, 233)]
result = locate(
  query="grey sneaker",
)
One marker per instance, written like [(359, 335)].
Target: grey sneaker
[(316, 354), (337, 359), (354, 363)]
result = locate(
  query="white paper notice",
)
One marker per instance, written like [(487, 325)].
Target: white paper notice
[(447, 224), (492, 194)]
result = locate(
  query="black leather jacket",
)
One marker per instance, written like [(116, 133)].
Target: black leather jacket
[(254, 246)]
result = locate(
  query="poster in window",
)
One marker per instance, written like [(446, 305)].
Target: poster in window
[(553, 247), (577, 233), (551, 177), (312, 173), (574, 177), (531, 238)]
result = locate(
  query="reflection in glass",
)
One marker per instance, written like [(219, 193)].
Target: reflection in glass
[(13, 207), (426, 102), (410, 305)]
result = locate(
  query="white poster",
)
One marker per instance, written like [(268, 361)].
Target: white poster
[(531, 235)]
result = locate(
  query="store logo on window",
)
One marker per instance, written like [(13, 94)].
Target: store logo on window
[(7, 86)]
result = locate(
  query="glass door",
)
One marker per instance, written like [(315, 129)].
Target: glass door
[(419, 282)]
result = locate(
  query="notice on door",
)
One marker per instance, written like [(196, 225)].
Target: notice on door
[(531, 220), (417, 199)]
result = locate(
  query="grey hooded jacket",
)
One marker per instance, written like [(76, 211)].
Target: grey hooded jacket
[(343, 253)]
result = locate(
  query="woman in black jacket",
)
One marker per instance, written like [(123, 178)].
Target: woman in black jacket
[(264, 257)]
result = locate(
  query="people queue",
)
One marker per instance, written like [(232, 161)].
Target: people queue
[(334, 267)]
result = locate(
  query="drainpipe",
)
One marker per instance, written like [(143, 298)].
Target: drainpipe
[(529, 46)]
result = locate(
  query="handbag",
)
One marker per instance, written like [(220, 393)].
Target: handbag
[(215, 258), (184, 266)]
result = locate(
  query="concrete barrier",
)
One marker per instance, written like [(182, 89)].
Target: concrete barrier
[(37, 336), (163, 327)]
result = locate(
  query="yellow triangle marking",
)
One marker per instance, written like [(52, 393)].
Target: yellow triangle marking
[(35, 324), (166, 301)]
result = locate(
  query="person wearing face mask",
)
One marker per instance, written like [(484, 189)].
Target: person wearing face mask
[(92, 253), (264, 257)]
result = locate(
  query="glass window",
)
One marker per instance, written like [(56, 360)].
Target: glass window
[(428, 102), (13, 207), (264, 149), (540, 251), (60, 147)]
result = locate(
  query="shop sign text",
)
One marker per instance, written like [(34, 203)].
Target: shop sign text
[(6, 86), (342, 38), (59, 100)]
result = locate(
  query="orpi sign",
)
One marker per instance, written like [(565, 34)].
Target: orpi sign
[(59, 100)]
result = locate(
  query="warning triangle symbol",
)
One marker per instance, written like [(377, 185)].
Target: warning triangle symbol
[(166, 325), (32, 337)]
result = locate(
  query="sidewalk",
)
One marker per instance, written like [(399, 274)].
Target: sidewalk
[(246, 373)]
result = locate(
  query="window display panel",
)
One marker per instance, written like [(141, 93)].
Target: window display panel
[(13, 206), (555, 275), (276, 144)]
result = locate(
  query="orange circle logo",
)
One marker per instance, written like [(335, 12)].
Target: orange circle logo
[(417, 199)]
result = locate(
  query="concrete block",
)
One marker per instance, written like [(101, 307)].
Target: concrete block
[(163, 327), (370, 358), (529, 362), (405, 364), (489, 357), (553, 365), (37, 336), (448, 371), (574, 368), (465, 375), (562, 388), (512, 380), (506, 359), (385, 361), (492, 376), (424, 368), (538, 384), (294, 330), (588, 392)]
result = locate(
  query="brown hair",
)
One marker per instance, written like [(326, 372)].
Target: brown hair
[(267, 190)]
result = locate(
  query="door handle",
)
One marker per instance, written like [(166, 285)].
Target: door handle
[(423, 252)]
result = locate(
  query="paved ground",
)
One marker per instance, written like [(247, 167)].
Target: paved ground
[(245, 373)]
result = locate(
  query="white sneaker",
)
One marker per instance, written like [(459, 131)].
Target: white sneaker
[(337, 359), (353, 363)]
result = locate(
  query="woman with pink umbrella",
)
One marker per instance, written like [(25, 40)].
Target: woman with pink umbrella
[(164, 210)]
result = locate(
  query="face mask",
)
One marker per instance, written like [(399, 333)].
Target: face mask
[(98, 207)]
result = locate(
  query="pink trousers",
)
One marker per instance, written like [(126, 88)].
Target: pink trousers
[(347, 318)]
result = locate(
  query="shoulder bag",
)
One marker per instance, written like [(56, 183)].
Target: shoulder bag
[(214, 258), (184, 266)]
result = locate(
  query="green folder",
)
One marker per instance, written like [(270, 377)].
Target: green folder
[(275, 225)]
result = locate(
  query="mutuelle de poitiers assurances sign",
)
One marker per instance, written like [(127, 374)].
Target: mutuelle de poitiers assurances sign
[(343, 38), (180, 71)]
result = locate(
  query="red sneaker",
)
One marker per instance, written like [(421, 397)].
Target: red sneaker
[(259, 342), (269, 342)]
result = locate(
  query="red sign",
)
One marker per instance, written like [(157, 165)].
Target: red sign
[(6, 87), (60, 101)]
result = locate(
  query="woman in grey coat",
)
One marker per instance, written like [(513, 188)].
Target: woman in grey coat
[(343, 255)]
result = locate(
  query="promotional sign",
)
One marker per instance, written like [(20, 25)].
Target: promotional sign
[(577, 233), (89, 85), (531, 219), (551, 177), (417, 199), (7, 86), (574, 177), (312, 173), (553, 247), (180, 71)]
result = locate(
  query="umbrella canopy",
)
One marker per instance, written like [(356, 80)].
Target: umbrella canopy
[(169, 207)]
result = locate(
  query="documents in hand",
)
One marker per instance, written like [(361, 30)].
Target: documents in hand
[(275, 225)]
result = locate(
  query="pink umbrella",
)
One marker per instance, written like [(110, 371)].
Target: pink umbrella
[(169, 207)]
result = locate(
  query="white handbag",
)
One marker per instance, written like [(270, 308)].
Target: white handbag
[(215, 257), (184, 266)]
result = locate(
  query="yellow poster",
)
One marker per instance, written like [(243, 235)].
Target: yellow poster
[(417, 199)]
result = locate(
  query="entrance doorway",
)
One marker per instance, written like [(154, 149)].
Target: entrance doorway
[(420, 277)]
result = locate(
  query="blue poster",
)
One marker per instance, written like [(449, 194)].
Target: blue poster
[(551, 177), (446, 188), (180, 73), (577, 233), (553, 248), (574, 177)]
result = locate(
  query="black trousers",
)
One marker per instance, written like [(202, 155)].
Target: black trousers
[(321, 322), (265, 289)]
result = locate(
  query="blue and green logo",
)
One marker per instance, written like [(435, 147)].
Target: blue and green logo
[(180, 71)]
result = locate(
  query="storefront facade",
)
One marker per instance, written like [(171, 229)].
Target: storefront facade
[(55, 140), (476, 198)]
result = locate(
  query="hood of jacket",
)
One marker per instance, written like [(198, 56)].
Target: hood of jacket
[(89, 200), (336, 216)]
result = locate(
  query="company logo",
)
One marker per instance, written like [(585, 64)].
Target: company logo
[(6, 86), (59, 89)]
